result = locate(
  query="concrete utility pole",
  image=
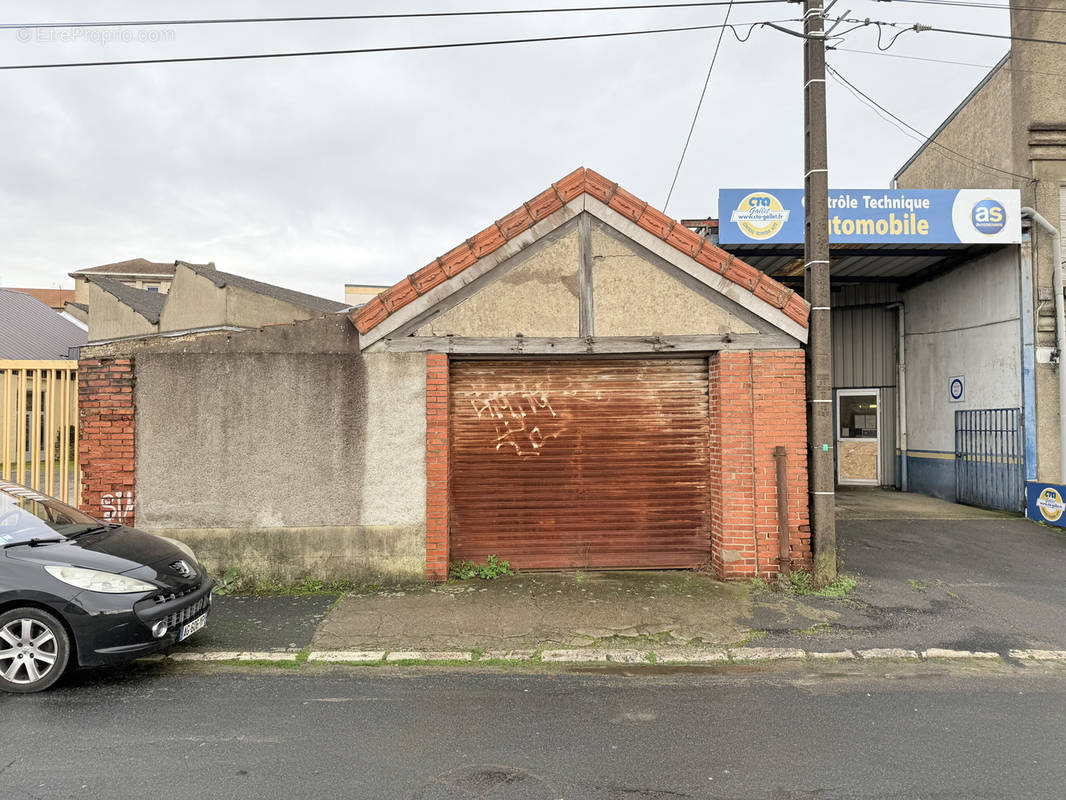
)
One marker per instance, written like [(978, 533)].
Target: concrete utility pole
[(816, 288)]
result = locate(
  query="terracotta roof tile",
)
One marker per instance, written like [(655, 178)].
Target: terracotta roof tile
[(455, 261), (428, 277), (518, 221), (399, 295), (544, 204), (489, 240), (571, 186), (548, 202)]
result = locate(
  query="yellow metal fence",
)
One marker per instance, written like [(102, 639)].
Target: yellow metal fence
[(39, 426)]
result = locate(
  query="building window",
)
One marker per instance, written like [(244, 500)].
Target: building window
[(858, 416), (152, 287)]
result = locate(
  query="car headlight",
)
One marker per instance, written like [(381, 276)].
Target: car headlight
[(96, 581), (184, 548)]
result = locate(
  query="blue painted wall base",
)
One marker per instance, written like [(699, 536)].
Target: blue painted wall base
[(932, 476)]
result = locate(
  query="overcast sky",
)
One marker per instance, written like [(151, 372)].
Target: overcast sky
[(316, 172)]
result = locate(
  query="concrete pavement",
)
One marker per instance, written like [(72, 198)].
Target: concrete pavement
[(964, 581)]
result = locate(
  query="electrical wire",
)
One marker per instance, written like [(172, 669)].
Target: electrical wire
[(391, 49), (412, 15), (835, 74), (918, 27), (970, 4), (985, 67), (699, 105)]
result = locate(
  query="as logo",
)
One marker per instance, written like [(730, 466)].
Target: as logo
[(760, 215), (1050, 504), (988, 216)]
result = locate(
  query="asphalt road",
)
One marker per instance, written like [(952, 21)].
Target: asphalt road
[(918, 732)]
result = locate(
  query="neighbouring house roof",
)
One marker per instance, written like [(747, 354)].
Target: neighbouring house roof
[(33, 331), (140, 267), (148, 304), (80, 306), (580, 181), (224, 279), (53, 298)]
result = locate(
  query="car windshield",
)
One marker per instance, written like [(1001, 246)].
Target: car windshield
[(26, 515)]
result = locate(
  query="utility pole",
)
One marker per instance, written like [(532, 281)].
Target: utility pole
[(820, 431)]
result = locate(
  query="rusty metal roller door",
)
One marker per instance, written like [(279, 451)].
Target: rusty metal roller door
[(558, 464)]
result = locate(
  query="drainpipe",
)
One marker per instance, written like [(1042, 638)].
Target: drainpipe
[(1026, 313), (1060, 327), (901, 397)]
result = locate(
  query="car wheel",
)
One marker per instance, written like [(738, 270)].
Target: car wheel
[(34, 650)]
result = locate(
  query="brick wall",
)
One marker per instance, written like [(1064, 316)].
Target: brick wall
[(436, 467), (105, 449), (757, 403)]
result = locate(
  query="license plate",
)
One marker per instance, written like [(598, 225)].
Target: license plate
[(189, 628)]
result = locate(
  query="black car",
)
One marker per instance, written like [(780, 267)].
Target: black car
[(76, 590)]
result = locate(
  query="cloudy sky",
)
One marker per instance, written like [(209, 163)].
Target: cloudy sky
[(316, 172)]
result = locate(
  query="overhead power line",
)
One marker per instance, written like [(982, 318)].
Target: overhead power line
[(918, 27), (972, 4), (411, 15), (699, 105), (1006, 67), (924, 137), (390, 49)]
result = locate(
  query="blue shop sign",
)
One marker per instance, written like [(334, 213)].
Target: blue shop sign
[(874, 216)]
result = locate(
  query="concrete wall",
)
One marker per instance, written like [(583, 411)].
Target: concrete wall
[(110, 319), (1017, 123), (963, 323), (539, 297), (193, 302), (285, 451), (982, 130), (630, 296)]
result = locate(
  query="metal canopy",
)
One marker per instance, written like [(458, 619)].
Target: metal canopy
[(863, 263), (852, 263)]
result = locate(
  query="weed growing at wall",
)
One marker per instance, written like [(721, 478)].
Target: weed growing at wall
[(492, 568), (801, 582)]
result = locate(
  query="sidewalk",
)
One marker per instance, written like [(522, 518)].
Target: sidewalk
[(960, 584)]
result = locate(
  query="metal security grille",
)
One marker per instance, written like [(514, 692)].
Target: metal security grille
[(562, 464), (39, 426), (989, 464)]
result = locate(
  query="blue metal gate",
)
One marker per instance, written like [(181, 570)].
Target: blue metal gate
[(989, 461)]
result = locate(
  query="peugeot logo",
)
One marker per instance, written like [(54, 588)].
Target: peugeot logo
[(182, 568)]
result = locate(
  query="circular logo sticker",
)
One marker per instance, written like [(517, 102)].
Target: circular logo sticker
[(1050, 504), (956, 388), (988, 216), (760, 215)]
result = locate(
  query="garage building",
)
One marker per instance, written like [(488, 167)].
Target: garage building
[(586, 383)]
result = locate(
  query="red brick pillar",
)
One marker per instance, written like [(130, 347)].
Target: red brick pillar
[(437, 549), (106, 438), (756, 403)]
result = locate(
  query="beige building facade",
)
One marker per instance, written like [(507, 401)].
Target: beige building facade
[(1010, 132)]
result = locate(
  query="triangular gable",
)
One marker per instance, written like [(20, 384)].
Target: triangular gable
[(584, 190)]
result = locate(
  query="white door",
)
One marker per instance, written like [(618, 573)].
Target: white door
[(858, 436)]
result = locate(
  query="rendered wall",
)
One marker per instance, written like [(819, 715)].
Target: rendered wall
[(633, 297), (964, 323), (110, 319), (193, 302), (285, 452)]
